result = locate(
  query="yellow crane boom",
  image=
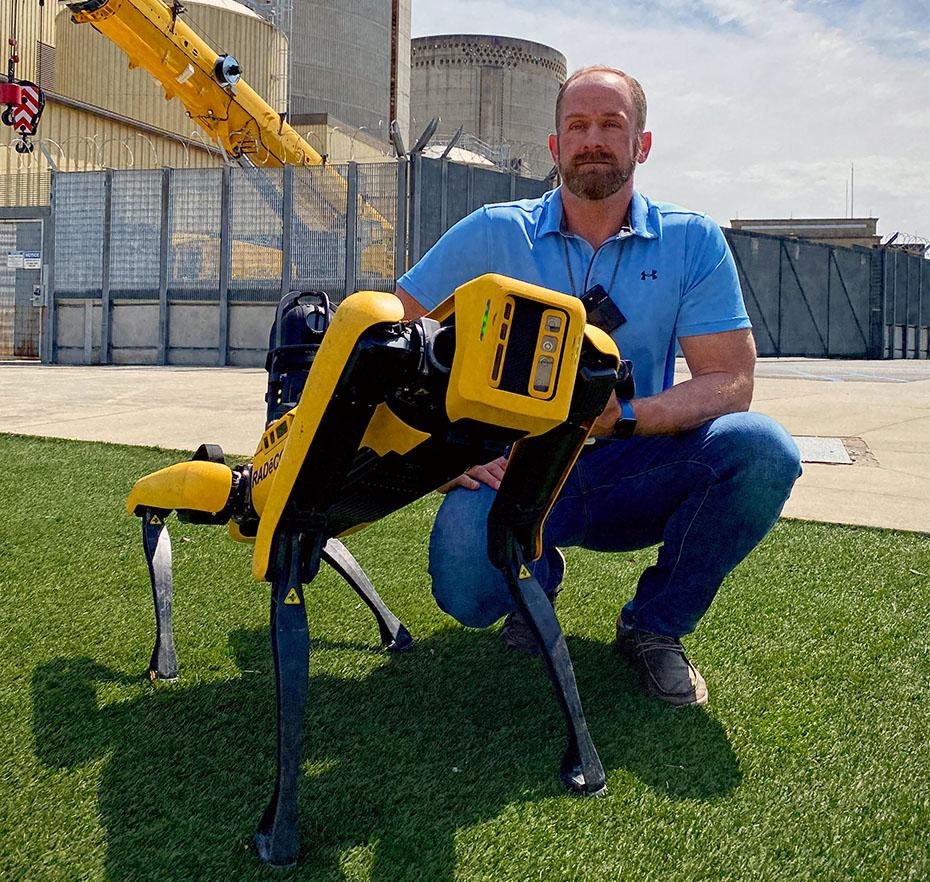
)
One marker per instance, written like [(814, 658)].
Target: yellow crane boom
[(155, 38)]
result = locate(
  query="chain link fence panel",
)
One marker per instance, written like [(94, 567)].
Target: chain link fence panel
[(79, 207), (256, 232), (135, 234), (375, 229), (318, 230), (194, 205)]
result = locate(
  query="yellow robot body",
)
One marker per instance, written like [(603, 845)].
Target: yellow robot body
[(514, 344), (267, 458), (512, 370)]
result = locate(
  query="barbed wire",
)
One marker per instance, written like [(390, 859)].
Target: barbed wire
[(909, 242), (97, 153)]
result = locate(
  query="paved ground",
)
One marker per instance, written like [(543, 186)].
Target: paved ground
[(886, 405), (883, 404)]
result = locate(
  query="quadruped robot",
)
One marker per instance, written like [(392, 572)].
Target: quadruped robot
[(366, 413)]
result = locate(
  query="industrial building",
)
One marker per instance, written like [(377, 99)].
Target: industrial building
[(845, 231), (351, 60), (500, 90)]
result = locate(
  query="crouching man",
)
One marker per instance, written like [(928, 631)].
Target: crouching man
[(684, 466)]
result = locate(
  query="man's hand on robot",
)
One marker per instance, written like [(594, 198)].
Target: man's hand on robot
[(491, 473)]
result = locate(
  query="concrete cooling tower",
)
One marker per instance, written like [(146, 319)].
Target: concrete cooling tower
[(502, 90)]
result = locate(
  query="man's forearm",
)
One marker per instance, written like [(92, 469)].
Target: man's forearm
[(692, 403)]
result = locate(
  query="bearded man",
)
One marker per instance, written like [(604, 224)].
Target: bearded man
[(685, 466)]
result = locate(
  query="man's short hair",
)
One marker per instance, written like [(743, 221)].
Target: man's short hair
[(636, 91)]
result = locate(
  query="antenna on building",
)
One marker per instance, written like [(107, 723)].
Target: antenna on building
[(852, 189)]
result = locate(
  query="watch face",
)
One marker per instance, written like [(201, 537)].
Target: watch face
[(624, 429)]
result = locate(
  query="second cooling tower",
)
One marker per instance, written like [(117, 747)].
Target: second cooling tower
[(502, 90)]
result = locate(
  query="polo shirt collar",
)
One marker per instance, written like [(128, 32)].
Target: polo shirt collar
[(551, 219)]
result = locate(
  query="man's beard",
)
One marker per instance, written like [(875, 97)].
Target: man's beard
[(595, 184)]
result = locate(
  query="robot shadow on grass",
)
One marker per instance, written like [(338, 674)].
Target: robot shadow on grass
[(184, 785)]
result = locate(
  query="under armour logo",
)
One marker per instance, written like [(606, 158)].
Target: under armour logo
[(644, 275)]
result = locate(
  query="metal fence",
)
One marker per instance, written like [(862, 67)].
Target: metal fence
[(822, 301), (177, 240), (444, 192), (905, 280), (210, 233), (229, 237), (206, 234)]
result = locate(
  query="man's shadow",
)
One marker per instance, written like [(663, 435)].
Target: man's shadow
[(434, 740)]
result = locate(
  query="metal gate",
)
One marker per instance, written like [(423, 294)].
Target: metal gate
[(906, 281), (20, 287)]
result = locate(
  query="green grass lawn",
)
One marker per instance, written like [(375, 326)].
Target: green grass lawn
[(812, 761)]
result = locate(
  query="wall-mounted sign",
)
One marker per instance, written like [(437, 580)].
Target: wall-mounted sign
[(31, 260)]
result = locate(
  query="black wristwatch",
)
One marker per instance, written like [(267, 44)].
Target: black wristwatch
[(626, 425)]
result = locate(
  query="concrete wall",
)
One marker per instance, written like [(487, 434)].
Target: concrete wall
[(249, 327), (134, 333), (77, 332), (193, 332)]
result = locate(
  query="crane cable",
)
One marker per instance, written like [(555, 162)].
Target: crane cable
[(14, 56)]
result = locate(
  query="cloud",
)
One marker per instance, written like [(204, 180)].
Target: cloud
[(758, 106)]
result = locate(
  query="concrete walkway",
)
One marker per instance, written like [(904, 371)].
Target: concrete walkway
[(886, 404), (881, 409)]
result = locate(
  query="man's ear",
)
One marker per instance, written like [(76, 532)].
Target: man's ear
[(645, 145), (554, 148)]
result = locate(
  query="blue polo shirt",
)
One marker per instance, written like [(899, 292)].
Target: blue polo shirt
[(671, 273)]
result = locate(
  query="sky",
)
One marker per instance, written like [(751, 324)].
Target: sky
[(758, 108)]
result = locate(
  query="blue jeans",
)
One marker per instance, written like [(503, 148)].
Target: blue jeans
[(709, 496)]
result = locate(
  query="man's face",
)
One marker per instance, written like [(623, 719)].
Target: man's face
[(597, 147)]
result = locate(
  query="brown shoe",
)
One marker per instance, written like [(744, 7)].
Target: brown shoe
[(663, 666)]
